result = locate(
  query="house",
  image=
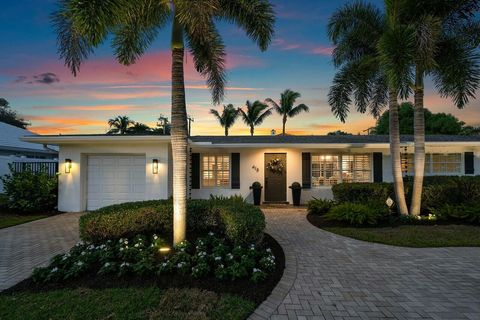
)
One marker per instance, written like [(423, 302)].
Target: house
[(14, 150), (99, 170)]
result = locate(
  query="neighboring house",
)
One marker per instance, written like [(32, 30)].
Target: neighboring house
[(13, 149), (108, 169)]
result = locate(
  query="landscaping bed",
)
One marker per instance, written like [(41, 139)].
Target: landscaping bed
[(9, 218), (226, 255)]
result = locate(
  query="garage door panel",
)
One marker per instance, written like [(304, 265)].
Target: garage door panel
[(115, 179)]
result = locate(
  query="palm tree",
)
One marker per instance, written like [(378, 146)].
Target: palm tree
[(120, 125), (358, 31), (139, 128), (286, 108), (83, 25), (256, 113), (227, 118), (445, 36)]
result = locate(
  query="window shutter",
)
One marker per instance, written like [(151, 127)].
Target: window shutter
[(377, 167), (306, 170), (195, 181), (469, 166), (235, 170)]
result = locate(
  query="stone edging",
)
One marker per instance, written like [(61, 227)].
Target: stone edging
[(270, 305)]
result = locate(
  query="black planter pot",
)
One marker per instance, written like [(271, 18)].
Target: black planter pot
[(296, 195), (257, 196)]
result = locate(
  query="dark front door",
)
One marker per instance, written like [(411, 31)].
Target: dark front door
[(275, 177)]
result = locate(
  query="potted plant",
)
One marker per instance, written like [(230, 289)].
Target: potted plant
[(257, 192), (296, 193)]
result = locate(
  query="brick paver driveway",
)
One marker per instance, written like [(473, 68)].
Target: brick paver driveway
[(32, 244), (333, 277)]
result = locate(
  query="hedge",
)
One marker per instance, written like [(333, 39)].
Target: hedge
[(240, 222)]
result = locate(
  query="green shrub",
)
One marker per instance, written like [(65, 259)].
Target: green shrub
[(319, 206), (469, 213), (362, 192), (241, 222), (30, 191), (357, 214)]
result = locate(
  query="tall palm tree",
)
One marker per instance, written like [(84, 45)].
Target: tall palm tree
[(139, 128), (83, 25), (227, 118), (358, 30), (286, 108), (120, 125), (445, 33), (256, 113)]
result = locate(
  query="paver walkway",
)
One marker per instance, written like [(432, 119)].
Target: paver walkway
[(333, 277), (29, 245)]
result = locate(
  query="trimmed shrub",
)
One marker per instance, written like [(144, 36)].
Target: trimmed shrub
[(241, 222), (357, 214), (29, 191), (319, 206), (362, 192), (465, 212)]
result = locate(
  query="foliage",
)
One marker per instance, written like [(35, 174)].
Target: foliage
[(228, 117), (120, 125), (141, 256), (319, 206), (286, 107), (239, 221), (9, 116), (469, 213), (435, 123), (362, 192), (358, 214), (256, 113), (296, 185), (30, 191), (256, 185), (338, 133)]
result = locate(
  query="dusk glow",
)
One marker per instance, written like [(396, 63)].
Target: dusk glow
[(41, 88)]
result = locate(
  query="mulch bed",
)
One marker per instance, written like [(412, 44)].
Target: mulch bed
[(248, 290)]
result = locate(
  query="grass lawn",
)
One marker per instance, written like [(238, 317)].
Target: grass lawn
[(124, 303), (11, 219), (416, 236)]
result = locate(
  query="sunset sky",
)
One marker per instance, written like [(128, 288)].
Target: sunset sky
[(41, 89)]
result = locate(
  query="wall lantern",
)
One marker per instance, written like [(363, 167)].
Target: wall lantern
[(68, 165), (155, 166)]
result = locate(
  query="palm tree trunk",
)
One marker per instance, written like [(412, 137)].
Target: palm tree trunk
[(252, 129), (395, 154), (419, 137), (179, 137), (226, 131), (284, 122)]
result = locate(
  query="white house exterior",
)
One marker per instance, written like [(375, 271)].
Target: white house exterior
[(108, 169), (13, 149)]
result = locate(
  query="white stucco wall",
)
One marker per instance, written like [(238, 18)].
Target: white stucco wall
[(72, 186)]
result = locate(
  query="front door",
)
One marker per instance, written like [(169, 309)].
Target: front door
[(275, 177)]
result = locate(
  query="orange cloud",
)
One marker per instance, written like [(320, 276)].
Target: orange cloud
[(128, 95), (106, 107), (67, 121)]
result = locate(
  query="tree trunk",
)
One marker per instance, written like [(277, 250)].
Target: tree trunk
[(395, 154), (419, 137), (252, 129), (226, 131), (179, 137), (284, 122)]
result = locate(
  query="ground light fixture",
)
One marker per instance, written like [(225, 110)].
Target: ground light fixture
[(68, 165), (155, 166)]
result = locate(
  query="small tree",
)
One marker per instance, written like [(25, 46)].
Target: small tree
[(255, 114), (11, 117), (120, 125), (286, 108), (227, 118)]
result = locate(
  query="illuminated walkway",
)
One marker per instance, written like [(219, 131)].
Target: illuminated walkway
[(333, 277)]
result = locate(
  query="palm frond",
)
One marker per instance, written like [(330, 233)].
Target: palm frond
[(256, 17), (274, 104), (339, 95), (298, 109)]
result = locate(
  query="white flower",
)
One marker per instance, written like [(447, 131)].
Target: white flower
[(256, 270), (54, 269), (269, 250), (210, 233), (218, 258), (121, 249), (65, 256), (83, 253), (79, 263), (136, 245), (124, 264), (107, 264), (155, 237), (126, 242)]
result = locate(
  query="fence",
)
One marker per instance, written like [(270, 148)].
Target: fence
[(51, 167)]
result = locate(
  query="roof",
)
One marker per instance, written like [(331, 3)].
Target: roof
[(10, 139), (340, 139), (246, 141)]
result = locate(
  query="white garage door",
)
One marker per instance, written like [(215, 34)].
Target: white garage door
[(115, 179)]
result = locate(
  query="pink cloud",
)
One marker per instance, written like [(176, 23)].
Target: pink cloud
[(106, 107), (128, 95), (323, 50)]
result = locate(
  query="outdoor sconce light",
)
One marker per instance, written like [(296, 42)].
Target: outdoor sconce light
[(155, 166), (68, 165)]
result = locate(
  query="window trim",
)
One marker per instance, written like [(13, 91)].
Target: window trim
[(340, 164), (202, 155)]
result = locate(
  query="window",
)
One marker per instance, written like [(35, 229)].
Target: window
[(435, 163), (328, 170), (216, 171)]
